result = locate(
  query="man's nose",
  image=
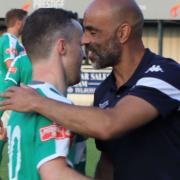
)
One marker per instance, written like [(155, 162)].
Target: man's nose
[(85, 39)]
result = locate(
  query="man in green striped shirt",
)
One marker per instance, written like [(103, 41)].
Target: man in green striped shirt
[(36, 145), (10, 46)]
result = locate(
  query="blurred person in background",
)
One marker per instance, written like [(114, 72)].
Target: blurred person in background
[(10, 47)]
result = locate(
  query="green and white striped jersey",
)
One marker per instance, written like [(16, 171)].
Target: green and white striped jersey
[(10, 47), (34, 140), (20, 71)]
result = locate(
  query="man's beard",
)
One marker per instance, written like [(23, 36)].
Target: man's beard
[(104, 55)]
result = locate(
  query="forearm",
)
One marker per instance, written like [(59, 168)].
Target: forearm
[(88, 121), (129, 113)]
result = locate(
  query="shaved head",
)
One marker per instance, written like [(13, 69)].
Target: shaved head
[(118, 11), (110, 26)]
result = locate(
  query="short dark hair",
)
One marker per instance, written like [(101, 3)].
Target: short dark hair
[(13, 15), (43, 26)]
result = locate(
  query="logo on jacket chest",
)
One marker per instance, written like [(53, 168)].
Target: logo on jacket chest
[(104, 104)]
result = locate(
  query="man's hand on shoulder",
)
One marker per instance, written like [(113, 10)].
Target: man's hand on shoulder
[(21, 99)]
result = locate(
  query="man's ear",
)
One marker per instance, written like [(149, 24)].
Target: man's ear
[(123, 32), (61, 46)]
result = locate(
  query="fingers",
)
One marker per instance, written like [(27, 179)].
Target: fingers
[(13, 88), (14, 98), (5, 102), (5, 105), (9, 92)]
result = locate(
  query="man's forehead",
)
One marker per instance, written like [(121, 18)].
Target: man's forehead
[(96, 19), (97, 7)]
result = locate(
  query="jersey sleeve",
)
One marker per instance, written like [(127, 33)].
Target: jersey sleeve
[(160, 87), (9, 48), (11, 79), (52, 141), (13, 74)]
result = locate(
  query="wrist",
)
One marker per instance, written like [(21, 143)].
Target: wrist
[(37, 103)]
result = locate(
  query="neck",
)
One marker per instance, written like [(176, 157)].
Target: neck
[(13, 31), (50, 73), (130, 59)]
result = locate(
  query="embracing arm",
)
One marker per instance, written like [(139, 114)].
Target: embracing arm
[(129, 113)]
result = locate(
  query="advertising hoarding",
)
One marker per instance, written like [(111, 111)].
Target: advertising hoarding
[(152, 10)]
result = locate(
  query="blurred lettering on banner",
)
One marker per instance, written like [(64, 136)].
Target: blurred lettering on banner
[(48, 4), (90, 79)]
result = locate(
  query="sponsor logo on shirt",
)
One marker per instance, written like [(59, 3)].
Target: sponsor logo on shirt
[(11, 51), (54, 132), (104, 104), (155, 68), (12, 70)]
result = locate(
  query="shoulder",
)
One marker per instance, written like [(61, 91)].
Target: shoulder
[(49, 91), (10, 37), (22, 57), (18, 59), (161, 69), (160, 63), (4, 38)]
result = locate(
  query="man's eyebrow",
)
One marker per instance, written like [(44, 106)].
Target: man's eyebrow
[(90, 28)]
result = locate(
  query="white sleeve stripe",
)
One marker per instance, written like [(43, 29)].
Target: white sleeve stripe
[(160, 85), (10, 79), (45, 160), (8, 73)]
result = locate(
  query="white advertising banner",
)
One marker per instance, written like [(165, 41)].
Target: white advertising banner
[(152, 10)]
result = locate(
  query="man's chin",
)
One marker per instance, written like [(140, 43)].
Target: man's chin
[(97, 66)]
